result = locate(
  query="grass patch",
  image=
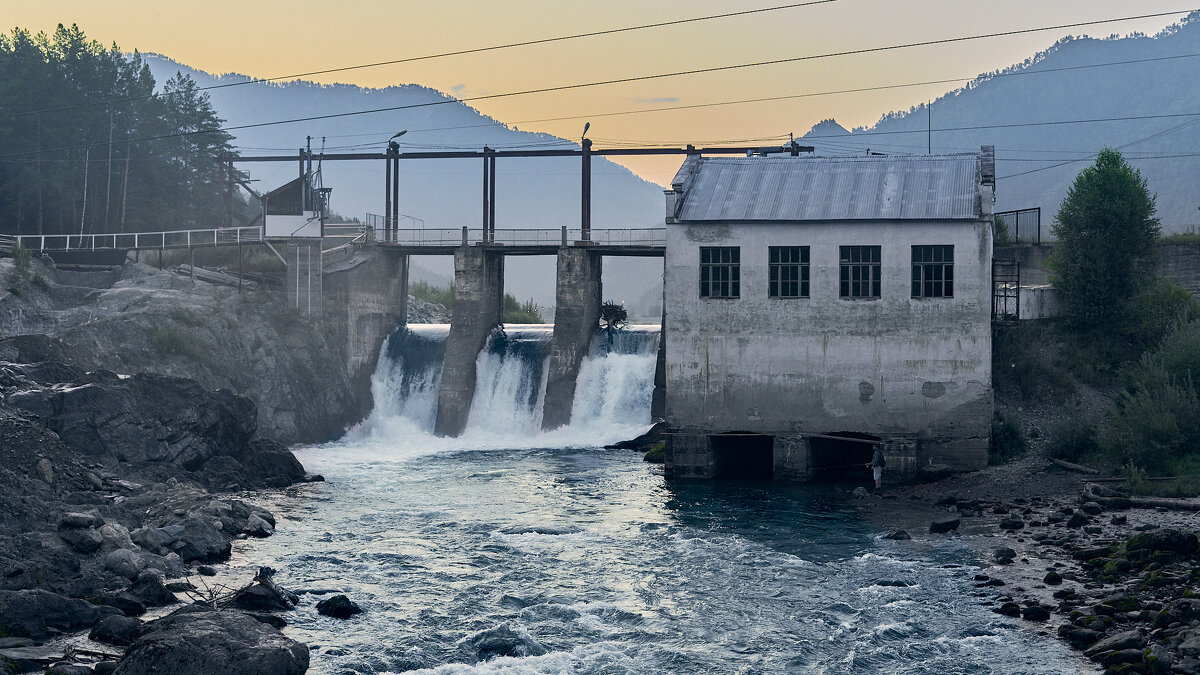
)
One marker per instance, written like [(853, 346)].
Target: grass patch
[(177, 341), (657, 454)]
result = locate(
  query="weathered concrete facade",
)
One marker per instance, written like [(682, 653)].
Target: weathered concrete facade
[(364, 297), (578, 294), (478, 305), (817, 376)]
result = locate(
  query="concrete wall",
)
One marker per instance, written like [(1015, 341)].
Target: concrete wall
[(478, 304), (915, 372), (1177, 263), (364, 298), (578, 295)]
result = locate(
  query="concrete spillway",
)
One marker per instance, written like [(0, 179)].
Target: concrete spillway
[(612, 397)]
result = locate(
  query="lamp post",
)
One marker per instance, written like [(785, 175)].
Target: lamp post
[(391, 185)]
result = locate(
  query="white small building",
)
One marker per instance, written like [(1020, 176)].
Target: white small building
[(817, 305)]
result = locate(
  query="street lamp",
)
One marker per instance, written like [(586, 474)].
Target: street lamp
[(392, 144)]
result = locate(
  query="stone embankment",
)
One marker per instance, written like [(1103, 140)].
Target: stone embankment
[(114, 493), (1121, 584)]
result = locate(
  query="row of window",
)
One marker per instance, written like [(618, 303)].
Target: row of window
[(859, 273)]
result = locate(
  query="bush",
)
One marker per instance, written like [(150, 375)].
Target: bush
[(1006, 442), (21, 257), (441, 295), (516, 312), (1072, 438), (1156, 415), (1156, 312), (180, 342)]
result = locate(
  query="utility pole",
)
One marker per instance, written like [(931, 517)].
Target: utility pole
[(929, 127)]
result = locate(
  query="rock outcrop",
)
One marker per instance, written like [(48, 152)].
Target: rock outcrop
[(199, 641)]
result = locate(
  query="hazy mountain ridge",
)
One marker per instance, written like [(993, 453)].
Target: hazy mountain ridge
[(1006, 96), (531, 193)]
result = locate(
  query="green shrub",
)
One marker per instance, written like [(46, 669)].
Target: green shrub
[(1155, 418), (21, 257), (40, 281), (1155, 427), (657, 454), (442, 295), (1006, 442), (1156, 312), (178, 341), (516, 312), (1072, 438)]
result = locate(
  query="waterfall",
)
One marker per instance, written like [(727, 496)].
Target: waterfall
[(612, 393)]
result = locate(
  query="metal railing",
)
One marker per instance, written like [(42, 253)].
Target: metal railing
[(220, 236), (1023, 226), (441, 237)]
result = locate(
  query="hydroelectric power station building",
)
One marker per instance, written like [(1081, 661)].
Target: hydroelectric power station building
[(815, 305)]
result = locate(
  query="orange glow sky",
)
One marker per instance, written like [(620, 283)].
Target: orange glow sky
[(266, 38)]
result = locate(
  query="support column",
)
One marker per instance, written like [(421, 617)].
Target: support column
[(478, 300), (576, 317), (689, 455), (304, 276)]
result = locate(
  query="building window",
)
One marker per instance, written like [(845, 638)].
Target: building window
[(860, 272), (788, 272), (720, 271), (933, 271)]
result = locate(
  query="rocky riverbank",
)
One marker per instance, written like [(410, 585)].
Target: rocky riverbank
[(116, 498), (1119, 583)]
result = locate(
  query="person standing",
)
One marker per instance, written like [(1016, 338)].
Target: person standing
[(876, 466)]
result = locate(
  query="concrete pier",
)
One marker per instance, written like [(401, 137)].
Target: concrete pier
[(578, 295), (478, 301)]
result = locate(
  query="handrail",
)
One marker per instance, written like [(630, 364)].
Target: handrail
[(128, 241), (442, 237)]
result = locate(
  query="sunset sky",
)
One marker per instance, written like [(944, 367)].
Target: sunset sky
[(270, 38)]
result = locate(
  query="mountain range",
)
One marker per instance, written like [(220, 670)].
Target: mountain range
[(1046, 117)]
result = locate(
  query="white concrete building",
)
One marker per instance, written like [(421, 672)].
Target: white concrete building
[(814, 303)]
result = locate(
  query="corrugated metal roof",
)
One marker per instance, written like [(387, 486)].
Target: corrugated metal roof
[(910, 187)]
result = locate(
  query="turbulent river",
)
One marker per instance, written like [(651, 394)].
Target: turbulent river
[(587, 561)]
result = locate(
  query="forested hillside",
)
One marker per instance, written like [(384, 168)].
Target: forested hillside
[(1154, 76), (69, 161)]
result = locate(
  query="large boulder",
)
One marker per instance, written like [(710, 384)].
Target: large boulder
[(338, 607), (86, 540), (199, 641), (944, 524), (150, 590), (123, 563), (37, 613), (1164, 539), (146, 417), (116, 630), (200, 540)]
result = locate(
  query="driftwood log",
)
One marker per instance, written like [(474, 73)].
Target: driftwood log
[(1079, 468), (1101, 496)]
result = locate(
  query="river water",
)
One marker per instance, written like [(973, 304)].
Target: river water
[(588, 561)]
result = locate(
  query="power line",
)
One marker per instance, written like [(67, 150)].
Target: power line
[(1094, 155), (776, 98), (461, 52), (641, 78)]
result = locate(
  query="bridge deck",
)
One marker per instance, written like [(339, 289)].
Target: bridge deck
[(643, 242)]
